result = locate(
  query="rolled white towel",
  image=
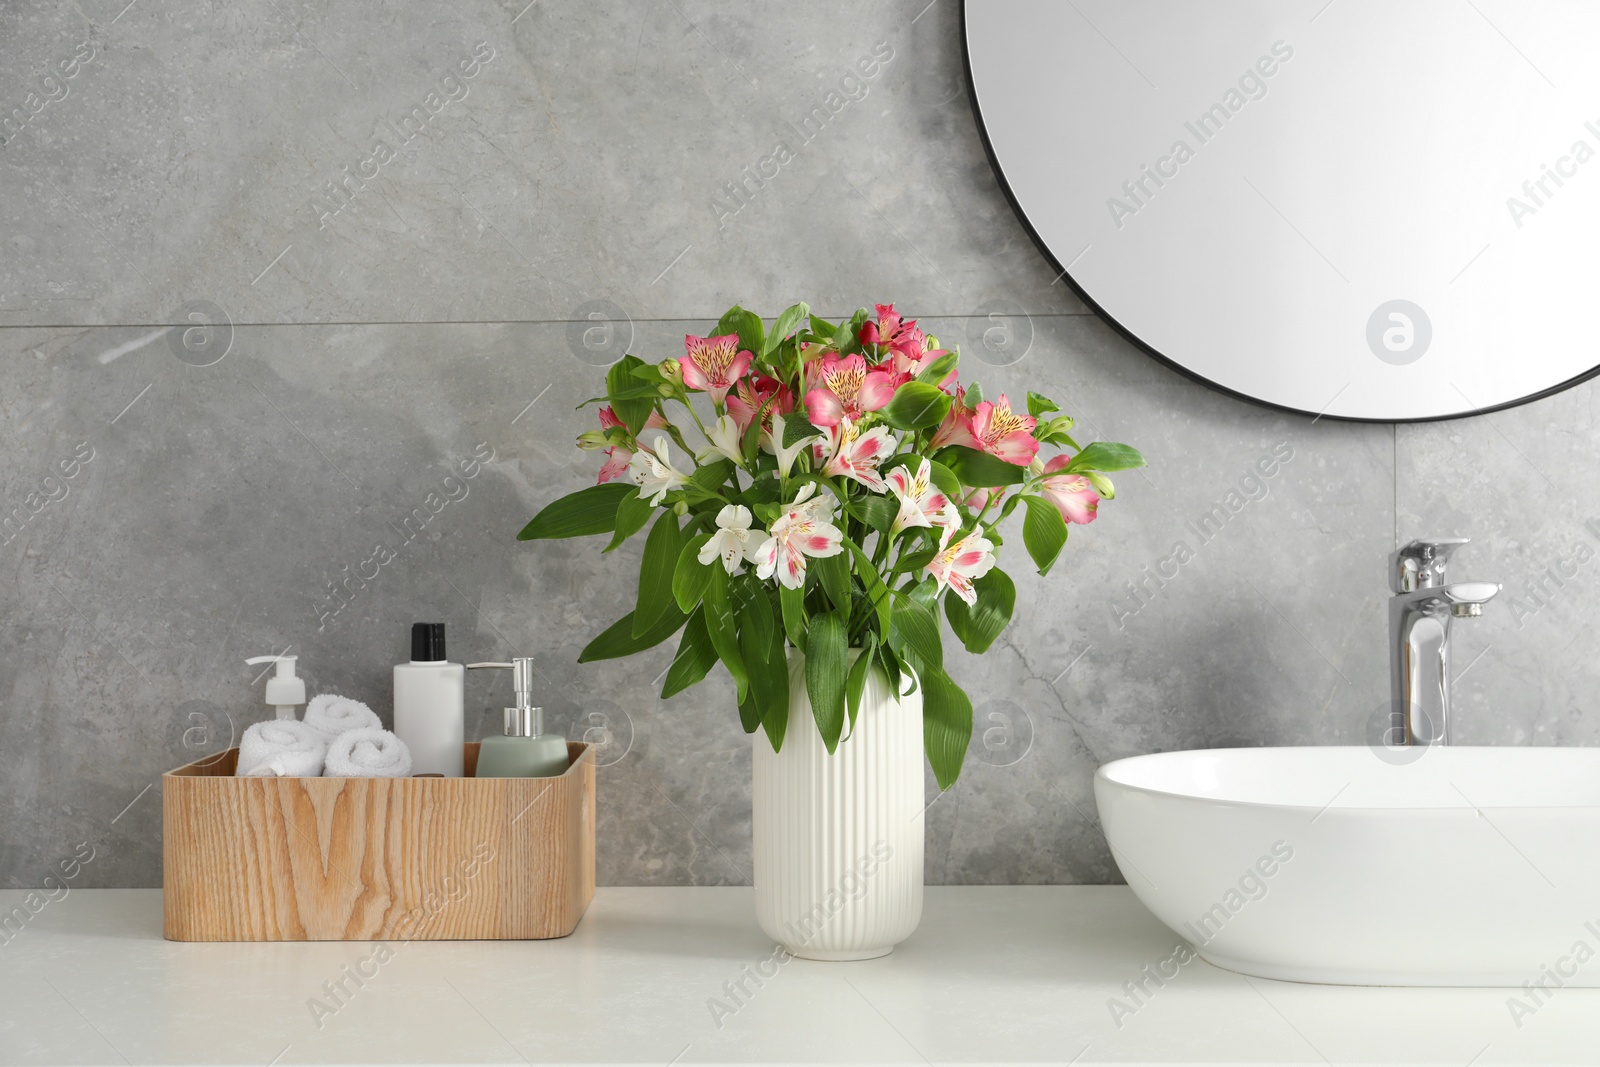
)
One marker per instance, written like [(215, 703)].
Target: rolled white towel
[(280, 748), (374, 753), (331, 715)]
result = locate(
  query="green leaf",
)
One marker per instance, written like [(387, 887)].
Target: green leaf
[(712, 476), (916, 406), (979, 469), (750, 712), (878, 512), (656, 569), (940, 369), (823, 329), (1043, 531), (649, 372), (946, 480), (833, 574), (946, 725), (761, 643), (690, 576), (747, 324), (980, 624), (787, 322), (1040, 405), (847, 338), (891, 666), (632, 514), (1105, 456), (856, 683), (622, 389), (914, 561), (696, 656), (588, 511), (915, 627), (796, 428), (723, 628), (793, 603), (826, 667), (973, 396), (878, 595), (619, 641)]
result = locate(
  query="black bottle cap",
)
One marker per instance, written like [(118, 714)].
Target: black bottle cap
[(427, 642)]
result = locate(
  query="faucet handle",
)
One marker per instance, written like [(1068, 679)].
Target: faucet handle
[(1421, 564)]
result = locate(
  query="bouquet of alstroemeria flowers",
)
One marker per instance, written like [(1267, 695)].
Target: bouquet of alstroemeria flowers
[(845, 484)]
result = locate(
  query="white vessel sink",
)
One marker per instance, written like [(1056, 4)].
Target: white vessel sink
[(1460, 866)]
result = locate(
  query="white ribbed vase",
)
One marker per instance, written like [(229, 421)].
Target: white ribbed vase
[(838, 838)]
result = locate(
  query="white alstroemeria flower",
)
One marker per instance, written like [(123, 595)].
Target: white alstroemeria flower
[(802, 531), (787, 454), (652, 471), (821, 508), (732, 541), (725, 441), (921, 502)]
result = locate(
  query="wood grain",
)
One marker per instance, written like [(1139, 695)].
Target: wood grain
[(341, 859)]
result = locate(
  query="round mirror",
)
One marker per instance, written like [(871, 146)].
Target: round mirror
[(1349, 208)]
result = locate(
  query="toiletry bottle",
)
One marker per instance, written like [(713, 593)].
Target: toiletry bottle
[(525, 750), (429, 695), (284, 690)]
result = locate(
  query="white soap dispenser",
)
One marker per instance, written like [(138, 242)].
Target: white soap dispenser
[(284, 690)]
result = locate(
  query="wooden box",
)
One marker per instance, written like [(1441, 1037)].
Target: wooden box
[(357, 859)]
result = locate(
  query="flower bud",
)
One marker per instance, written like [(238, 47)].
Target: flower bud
[(672, 371), (592, 440)]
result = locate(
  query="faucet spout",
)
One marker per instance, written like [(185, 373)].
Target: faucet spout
[(1420, 615)]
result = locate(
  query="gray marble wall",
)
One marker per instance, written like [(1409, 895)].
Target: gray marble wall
[(377, 319)]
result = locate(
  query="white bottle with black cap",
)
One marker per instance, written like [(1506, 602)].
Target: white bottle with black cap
[(429, 703)]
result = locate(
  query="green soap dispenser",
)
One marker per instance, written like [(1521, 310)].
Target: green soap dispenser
[(524, 751)]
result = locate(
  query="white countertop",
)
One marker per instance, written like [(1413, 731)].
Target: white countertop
[(1010, 974)]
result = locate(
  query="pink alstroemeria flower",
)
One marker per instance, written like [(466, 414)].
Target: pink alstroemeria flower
[(759, 394), (921, 502), (616, 464), (1003, 433), (892, 332), (956, 566), (609, 420), (856, 455), (1072, 494), (911, 365), (844, 389), (617, 456), (713, 364), (956, 429), (804, 530)]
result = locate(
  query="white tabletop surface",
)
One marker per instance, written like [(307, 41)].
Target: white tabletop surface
[(995, 974)]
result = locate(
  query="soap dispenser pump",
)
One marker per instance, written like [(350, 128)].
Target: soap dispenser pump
[(284, 690), (525, 750)]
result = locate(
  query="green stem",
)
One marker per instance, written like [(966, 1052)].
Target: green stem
[(693, 415)]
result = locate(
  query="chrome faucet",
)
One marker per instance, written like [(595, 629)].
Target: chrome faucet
[(1420, 614)]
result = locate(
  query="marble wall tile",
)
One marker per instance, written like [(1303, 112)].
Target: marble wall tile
[(1525, 671), (669, 158), (256, 402), (238, 508)]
